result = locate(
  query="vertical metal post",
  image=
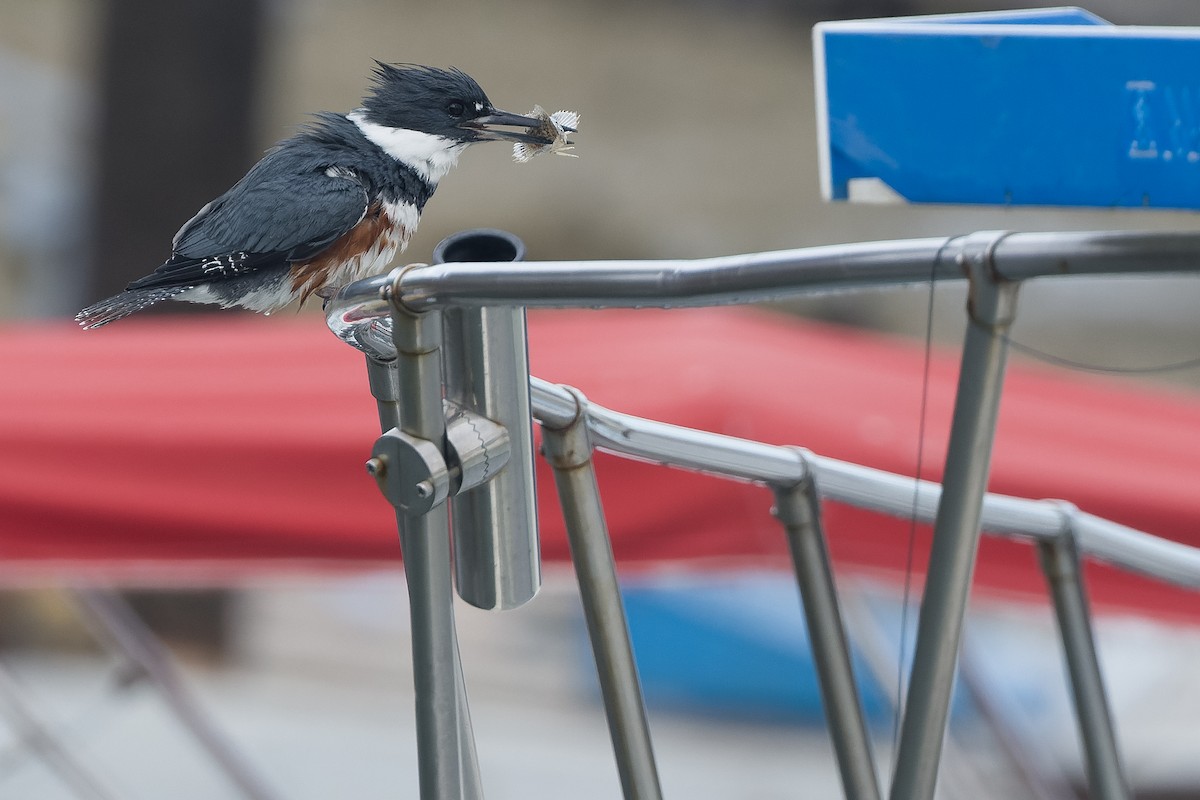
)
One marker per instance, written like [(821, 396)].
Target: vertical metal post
[(385, 388), (569, 452), (798, 508), (991, 307), (408, 392), (1060, 562)]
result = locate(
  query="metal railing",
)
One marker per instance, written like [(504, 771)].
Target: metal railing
[(446, 359)]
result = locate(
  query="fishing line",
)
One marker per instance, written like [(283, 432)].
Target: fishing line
[(1106, 369), (912, 520)]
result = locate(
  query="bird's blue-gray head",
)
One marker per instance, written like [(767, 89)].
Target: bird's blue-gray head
[(426, 116)]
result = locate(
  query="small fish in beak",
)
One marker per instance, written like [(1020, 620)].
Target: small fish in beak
[(553, 130)]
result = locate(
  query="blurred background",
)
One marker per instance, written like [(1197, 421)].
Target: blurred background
[(119, 119)]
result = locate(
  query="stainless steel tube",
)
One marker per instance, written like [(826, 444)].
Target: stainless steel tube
[(956, 530), (1030, 255), (447, 762), (385, 386), (1097, 734), (570, 454), (351, 314), (676, 283), (798, 509), (663, 443)]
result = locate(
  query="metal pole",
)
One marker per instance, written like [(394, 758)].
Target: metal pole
[(385, 386), (39, 738), (880, 655), (991, 306), (1060, 563), (798, 508), (570, 454), (116, 624), (1018, 751), (409, 391)]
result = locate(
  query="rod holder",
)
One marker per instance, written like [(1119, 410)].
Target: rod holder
[(486, 372)]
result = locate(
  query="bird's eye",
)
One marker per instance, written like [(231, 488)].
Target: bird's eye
[(455, 108)]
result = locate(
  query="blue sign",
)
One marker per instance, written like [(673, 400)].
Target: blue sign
[(1054, 107)]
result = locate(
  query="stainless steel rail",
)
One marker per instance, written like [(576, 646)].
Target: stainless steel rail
[(677, 283), (994, 263), (867, 488)]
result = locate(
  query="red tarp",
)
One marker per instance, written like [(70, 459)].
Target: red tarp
[(238, 442)]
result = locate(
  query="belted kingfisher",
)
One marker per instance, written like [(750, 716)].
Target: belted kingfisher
[(330, 205)]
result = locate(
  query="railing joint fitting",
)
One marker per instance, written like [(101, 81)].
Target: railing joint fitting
[(570, 446), (991, 298), (797, 502), (580, 415), (393, 293), (1059, 553)]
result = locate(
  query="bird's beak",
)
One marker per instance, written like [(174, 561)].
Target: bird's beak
[(496, 125)]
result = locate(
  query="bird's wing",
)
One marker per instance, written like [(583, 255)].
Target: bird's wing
[(273, 216)]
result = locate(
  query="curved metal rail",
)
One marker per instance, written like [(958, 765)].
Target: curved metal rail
[(680, 283), (867, 488)]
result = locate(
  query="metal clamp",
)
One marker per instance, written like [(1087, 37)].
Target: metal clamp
[(411, 472), (476, 447), (414, 474)]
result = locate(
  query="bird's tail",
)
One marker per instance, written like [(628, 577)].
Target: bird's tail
[(124, 304)]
